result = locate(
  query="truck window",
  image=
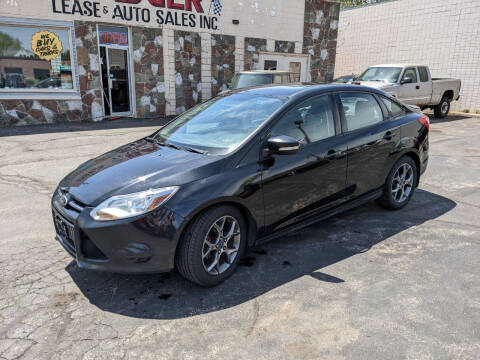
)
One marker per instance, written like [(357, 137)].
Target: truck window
[(422, 70), (410, 73)]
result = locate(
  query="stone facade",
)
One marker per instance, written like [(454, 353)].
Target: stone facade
[(252, 48), (320, 38), (149, 72), (285, 46), (188, 71), (223, 62)]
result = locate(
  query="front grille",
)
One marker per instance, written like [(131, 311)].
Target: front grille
[(75, 205), (65, 231)]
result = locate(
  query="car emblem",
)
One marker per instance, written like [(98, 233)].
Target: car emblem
[(64, 200)]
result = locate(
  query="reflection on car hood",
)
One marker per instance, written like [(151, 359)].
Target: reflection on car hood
[(135, 167)]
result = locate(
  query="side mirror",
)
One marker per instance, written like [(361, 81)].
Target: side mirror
[(407, 80), (283, 145)]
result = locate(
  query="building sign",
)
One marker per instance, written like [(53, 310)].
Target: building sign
[(200, 14), (46, 45)]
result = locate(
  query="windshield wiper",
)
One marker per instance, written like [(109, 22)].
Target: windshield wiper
[(176, 147)]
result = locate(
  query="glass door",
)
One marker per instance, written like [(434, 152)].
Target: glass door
[(115, 72), (119, 83)]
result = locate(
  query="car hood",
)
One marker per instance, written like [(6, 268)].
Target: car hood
[(135, 167)]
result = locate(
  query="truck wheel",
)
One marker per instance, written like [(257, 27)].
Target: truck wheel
[(442, 109), (212, 246)]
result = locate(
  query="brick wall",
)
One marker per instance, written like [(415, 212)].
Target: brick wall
[(443, 34)]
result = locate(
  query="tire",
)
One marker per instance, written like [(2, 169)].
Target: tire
[(395, 200), (190, 259), (442, 109)]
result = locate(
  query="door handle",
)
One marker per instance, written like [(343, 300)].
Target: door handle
[(331, 154), (388, 136), (417, 87)]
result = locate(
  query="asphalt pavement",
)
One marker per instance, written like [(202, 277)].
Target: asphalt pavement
[(367, 284)]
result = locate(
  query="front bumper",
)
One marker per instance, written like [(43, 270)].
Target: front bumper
[(144, 244)]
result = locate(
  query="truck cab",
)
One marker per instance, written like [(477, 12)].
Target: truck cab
[(414, 85)]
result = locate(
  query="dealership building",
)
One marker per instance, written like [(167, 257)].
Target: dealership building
[(80, 60)]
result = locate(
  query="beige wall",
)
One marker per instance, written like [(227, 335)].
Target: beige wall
[(273, 19), (444, 34)]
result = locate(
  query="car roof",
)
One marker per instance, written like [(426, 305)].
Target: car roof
[(300, 90), (259, 72)]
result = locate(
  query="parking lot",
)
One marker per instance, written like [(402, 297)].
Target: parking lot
[(367, 284)]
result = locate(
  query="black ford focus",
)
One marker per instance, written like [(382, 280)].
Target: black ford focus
[(237, 171)]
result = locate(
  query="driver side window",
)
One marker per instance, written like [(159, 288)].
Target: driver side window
[(412, 74), (309, 121)]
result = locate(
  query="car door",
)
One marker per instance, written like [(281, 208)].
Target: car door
[(409, 92), (370, 140), (298, 186)]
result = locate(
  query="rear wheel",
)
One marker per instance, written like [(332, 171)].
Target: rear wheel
[(442, 109), (211, 248), (400, 184)]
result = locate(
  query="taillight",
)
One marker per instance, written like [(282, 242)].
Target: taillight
[(425, 121)]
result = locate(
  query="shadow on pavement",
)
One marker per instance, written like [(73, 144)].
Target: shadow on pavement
[(124, 123), (169, 296), (449, 118)]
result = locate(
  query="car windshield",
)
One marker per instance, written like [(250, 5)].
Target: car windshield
[(220, 125), (241, 81), (384, 74)]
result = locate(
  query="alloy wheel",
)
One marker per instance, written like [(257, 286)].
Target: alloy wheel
[(402, 183), (445, 107), (221, 245)]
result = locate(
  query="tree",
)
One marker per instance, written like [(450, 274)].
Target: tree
[(9, 45), (352, 3)]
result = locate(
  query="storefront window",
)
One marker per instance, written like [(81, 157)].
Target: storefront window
[(34, 58)]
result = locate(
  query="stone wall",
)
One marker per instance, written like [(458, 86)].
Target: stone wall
[(285, 46), (223, 62), (149, 72), (320, 37), (31, 112), (252, 48), (188, 72)]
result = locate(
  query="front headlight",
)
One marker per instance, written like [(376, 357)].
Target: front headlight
[(126, 206)]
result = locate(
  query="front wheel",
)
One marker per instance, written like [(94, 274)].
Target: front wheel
[(400, 184), (442, 109), (212, 246)]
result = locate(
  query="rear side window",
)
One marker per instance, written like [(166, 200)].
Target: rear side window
[(393, 108), (422, 70), (361, 110)]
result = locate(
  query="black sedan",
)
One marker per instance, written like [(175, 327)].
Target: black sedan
[(236, 171)]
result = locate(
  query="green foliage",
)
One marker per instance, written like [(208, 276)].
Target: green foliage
[(8, 45), (353, 3), (466, 111)]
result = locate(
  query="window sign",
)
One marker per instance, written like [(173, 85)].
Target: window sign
[(35, 58), (113, 36)]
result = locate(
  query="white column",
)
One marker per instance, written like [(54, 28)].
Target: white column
[(270, 45), (206, 66), (169, 71), (298, 47), (239, 53)]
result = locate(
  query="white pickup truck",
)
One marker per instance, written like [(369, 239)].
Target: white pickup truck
[(413, 84)]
